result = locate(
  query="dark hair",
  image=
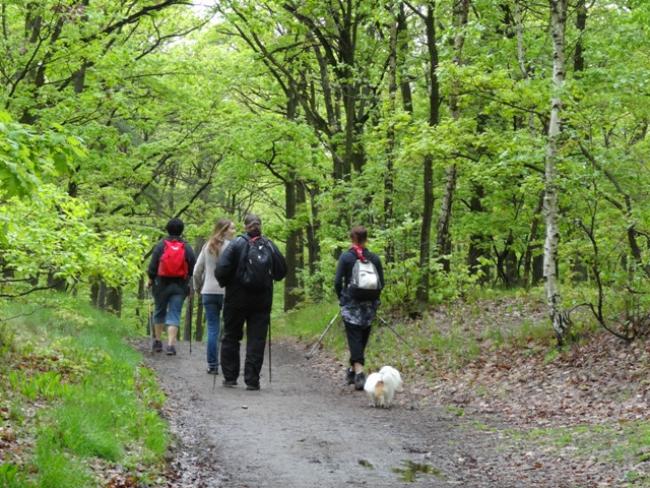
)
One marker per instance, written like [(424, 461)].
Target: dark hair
[(359, 234), (175, 227), (253, 224), (251, 219)]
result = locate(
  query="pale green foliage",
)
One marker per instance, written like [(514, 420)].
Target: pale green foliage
[(54, 232), (27, 155)]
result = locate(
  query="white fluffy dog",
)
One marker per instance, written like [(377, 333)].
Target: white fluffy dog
[(381, 386)]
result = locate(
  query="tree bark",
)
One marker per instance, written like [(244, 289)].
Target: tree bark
[(292, 295), (558, 26), (402, 48), (443, 242), (581, 24), (101, 295), (389, 251), (422, 292), (477, 240), (199, 322), (531, 245), (291, 288), (114, 300), (313, 244), (58, 284)]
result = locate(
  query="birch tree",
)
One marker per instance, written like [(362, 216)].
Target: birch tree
[(558, 25)]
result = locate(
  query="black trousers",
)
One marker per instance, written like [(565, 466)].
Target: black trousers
[(357, 340), (257, 326)]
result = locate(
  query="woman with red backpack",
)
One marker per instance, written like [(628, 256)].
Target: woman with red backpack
[(358, 284), (170, 270)]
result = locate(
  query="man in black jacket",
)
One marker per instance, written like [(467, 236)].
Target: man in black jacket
[(247, 269)]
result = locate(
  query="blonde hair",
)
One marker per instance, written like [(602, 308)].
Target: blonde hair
[(218, 236)]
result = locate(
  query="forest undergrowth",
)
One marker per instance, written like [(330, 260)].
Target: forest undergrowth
[(77, 408), (495, 358)]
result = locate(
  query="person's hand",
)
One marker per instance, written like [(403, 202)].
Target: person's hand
[(150, 283)]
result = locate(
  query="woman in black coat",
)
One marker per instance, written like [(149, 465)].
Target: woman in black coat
[(358, 307)]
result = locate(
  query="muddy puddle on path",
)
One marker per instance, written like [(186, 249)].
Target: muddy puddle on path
[(306, 429)]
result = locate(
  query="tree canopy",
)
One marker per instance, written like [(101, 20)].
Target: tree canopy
[(460, 132)]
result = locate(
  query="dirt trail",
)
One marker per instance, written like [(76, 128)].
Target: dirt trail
[(306, 429)]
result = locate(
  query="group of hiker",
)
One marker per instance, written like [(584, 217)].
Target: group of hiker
[(235, 277)]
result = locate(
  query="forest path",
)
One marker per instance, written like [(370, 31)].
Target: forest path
[(307, 429)]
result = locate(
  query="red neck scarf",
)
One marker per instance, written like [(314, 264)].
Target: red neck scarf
[(358, 250)]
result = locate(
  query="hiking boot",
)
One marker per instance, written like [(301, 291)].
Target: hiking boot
[(359, 381), (213, 370), (253, 387), (171, 351), (156, 346), (349, 376), (229, 383)]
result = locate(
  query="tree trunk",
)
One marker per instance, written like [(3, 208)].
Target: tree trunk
[(94, 294), (101, 295), (443, 242), (200, 319), (389, 251), (538, 269), (313, 245), (57, 284), (558, 26), (187, 329), (422, 292), (402, 48), (198, 325), (301, 204), (531, 245), (581, 24), (291, 288), (477, 240), (114, 300)]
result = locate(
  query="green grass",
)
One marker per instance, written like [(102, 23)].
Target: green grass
[(623, 442), (55, 468), (305, 323), (12, 477), (93, 397)]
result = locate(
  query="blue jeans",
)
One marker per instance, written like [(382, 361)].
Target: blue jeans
[(168, 310), (213, 305)]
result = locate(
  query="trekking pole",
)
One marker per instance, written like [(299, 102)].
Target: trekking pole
[(313, 349), (150, 318), (188, 319), (269, 351), (396, 333)]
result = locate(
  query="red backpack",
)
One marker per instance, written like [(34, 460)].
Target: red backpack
[(172, 262)]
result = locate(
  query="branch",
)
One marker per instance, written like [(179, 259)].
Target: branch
[(207, 183), (269, 164), (13, 317), (329, 51), (415, 10), (38, 288), (161, 39), (608, 174), (134, 17)]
